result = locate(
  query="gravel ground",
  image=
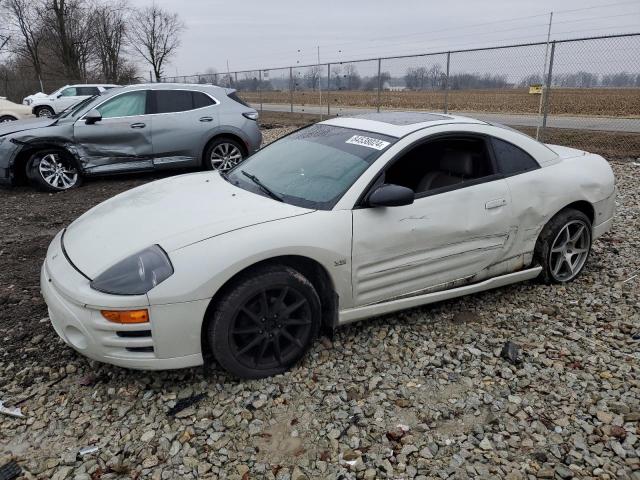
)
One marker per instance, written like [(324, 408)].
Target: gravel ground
[(419, 394)]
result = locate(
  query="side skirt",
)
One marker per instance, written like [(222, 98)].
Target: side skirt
[(360, 313)]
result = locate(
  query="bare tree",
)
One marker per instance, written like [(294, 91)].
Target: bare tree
[(69, 26), (336, 73), (435, 75), (352, 77), (26, 19), (312, 77), (110, 26), (155, 35)]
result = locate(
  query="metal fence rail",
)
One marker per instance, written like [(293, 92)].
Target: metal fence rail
[(587, 91)]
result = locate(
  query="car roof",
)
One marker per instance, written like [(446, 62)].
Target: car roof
[(398, 124), (92, 85), (175, 86)]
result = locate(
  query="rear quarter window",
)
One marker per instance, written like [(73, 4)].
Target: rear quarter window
[(234, 96), (201, 100), (511, 159)]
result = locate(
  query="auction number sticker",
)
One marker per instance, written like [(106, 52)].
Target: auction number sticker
[(368, 142)]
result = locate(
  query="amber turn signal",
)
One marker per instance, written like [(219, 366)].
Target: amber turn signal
[(126, 316)]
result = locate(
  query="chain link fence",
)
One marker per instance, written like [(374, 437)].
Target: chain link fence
[(583, 92)]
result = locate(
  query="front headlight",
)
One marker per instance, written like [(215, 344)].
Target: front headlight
[(135, 275)]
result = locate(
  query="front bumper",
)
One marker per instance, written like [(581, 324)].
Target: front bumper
[(170, 340)]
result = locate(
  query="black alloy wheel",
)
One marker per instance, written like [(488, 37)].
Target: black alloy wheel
[(265, 324)]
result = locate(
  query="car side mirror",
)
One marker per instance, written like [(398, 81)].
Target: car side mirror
[(92, 117), (59, 95), (389, 195)]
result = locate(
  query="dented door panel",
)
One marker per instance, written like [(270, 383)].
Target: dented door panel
[(115, 144), (438, 239)]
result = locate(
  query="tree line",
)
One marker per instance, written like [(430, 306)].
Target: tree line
[(53, 42), (432, 77)]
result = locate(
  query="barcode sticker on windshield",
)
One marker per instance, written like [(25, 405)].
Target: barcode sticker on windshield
[(368, 142)]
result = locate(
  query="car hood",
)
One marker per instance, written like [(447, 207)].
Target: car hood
[(7, 128), (37, 95), (173, 213)]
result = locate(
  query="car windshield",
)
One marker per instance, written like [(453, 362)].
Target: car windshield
[(73, 110), (312, 167)]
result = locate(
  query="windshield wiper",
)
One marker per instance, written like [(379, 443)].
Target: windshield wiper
[(262, 186)]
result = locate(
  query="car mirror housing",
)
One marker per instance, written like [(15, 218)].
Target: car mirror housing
[(389, 195), (92, 117)]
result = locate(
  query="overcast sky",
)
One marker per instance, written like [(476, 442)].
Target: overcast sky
[(272, 33)]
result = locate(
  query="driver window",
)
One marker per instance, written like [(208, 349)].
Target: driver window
[(68, 92), (444, 163), (126, 105)]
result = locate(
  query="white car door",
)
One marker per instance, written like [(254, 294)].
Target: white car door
[(449, 233)]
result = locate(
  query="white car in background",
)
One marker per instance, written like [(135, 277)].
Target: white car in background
[(43, 105), (10, 111), (343, 220)]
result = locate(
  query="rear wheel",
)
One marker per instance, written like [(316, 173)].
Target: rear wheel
[(223, 154), (7, 118), (44, 111), (564, 246), (53, 170), (265, 323)]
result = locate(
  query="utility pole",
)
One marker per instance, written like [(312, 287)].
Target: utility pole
[(544, 70)]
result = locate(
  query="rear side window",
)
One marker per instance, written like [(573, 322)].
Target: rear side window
[(234, 96), (169, 101), (511, 159), (172, 101), (87, 91)]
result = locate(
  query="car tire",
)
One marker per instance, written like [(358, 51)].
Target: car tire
[(7, 118), (223, 154), (44, 111), (563, 246), (53, 170), (264, 323)]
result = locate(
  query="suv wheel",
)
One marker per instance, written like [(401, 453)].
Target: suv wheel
[(564, 246), (7, 118), (53, 170), (223, 154), (44, 111), (265, 323)]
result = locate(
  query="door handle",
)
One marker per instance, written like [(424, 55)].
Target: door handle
[(138, 125), (206, 119), (497, 203)]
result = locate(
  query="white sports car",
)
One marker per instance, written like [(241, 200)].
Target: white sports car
[(340, 221)]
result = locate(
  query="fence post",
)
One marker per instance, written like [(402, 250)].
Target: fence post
[(379, 83), (291, 87), (446, 84), (547, 89), (259, 88), (235, 75), (328, 89)]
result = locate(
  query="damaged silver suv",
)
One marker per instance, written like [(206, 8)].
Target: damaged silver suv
[(131, 129)]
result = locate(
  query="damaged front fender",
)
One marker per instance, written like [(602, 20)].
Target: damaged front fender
[(16, 149)]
